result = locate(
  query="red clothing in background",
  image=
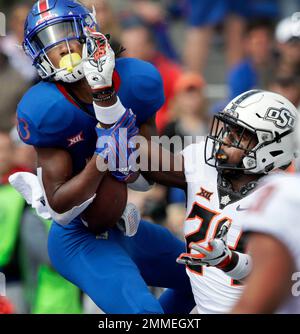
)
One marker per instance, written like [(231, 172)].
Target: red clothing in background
[(4, 178), (170, 72)]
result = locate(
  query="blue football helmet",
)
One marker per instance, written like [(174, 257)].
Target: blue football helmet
[(49, 23)]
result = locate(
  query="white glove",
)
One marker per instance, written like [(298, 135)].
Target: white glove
[(98, 60), (28, 185), (216, 254), (130, 220)]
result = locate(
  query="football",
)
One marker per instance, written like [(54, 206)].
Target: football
[(108, 205)]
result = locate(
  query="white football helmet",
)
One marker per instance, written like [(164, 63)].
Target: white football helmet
[(270, 117), (297, 137)]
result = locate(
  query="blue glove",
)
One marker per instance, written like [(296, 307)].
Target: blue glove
[(114, 145), (124, 174)]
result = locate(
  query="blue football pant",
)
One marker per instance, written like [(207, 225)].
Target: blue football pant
[(115, 270)]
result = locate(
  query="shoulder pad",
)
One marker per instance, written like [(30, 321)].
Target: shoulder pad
[(43, 116), (140, 87)]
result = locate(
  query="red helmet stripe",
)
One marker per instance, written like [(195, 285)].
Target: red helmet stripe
[(43, 7)]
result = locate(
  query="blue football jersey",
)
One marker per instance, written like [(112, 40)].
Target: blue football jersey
[(48, 117)]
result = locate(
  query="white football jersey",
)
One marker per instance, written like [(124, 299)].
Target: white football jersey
[(277, 213), (214, 291)]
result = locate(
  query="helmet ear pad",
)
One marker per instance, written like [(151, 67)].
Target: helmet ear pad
[(44, 68), (47, 66)]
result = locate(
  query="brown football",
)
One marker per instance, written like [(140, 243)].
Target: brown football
[(108, 205)]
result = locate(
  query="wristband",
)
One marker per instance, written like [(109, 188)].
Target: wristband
[(240, 266), (109, 115), (102, 96)]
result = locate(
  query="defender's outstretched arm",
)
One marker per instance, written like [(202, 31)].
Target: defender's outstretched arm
[(270, 281), (159, 158)]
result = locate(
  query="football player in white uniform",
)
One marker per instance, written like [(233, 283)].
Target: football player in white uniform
[(274, 226), (248, 139)]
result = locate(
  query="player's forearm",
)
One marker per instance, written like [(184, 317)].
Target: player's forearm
[(248, 305), (262, 294), (78, 189), (168, 179), (162, 166), (269, 283)]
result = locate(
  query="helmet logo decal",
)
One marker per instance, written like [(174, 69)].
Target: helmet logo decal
[(225, 200), (49, 16), (282, 118), (43, 6), (231, 112)]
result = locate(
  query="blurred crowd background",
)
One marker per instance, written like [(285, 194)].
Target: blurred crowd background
[(207, 51)]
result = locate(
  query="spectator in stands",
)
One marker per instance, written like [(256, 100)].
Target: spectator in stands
[(288, 7), (6, 307), (204, 15), (288, 43), (106, 18), (25, 155), (139, 43), (190, 123), (11, 209), (45, 291), (176, 214), (15, 68), (11, 45), (289, 87), (188, 109), (155, 15), (258, 66)]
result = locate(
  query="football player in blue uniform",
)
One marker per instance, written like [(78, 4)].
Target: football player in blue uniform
[(58, 117)]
